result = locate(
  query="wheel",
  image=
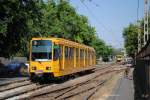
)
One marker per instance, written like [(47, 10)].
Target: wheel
[(23, 71), (32, 78)]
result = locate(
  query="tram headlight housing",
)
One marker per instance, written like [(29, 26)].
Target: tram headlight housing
[(33, 67), (48, 68)]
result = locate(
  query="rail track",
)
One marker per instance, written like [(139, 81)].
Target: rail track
[(84, 90), (18, 89), (14, 85), (77, 90), (87, 84), (3, 82)]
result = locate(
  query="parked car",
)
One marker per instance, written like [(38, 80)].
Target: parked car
[(17, 68), (105, 59), (130, 63)]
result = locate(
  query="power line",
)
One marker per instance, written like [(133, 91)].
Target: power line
[(97, 20), (97, 5), (138, 5), (110, 30), (138, 25)]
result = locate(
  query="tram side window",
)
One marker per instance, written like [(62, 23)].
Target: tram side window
[(86, 54), (61, 52), (81, 54), (57, 52), (89, 57), (77, 52), (66, 52), (89, 54), (92, 55), (71, 53)]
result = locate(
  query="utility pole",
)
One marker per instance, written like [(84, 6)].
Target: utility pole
[(139, 36), (146, 34), (139, 28)]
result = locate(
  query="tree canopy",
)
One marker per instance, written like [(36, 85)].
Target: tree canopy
[(130, 34), (20, 20)]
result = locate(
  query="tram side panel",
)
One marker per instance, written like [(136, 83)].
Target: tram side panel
[(73, 59)]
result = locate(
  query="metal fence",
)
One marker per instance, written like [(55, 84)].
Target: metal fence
[(142, 74)]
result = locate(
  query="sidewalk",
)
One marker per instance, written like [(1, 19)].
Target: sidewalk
[(123, 90)]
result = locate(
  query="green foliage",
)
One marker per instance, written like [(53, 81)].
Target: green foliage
[(13, 24), (102, 50), (130, 35), (98, 46), (21, 20), (118, 51)]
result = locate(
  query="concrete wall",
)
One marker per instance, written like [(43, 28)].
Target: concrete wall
[(6, 61)]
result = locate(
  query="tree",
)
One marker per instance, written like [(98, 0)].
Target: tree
[(102, 50), (13, 24), (21, 20), (130, 35)]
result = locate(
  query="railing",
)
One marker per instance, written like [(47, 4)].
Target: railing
[(142, 74)]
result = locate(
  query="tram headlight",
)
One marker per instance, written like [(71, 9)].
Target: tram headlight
[(48, 68), (33, 67)]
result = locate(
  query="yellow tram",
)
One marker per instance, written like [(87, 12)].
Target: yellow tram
[(57, 57), (119, 58)]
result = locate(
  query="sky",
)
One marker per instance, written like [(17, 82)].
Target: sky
[(110, 17)]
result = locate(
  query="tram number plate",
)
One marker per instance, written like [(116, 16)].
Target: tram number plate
[(38, 71)]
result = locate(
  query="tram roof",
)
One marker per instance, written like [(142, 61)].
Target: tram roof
[(65, 41)]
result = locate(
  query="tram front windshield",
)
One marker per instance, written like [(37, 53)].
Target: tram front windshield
[(41, 50)]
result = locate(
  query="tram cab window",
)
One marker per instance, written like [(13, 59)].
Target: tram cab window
[(41, 50), (57, 52)]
